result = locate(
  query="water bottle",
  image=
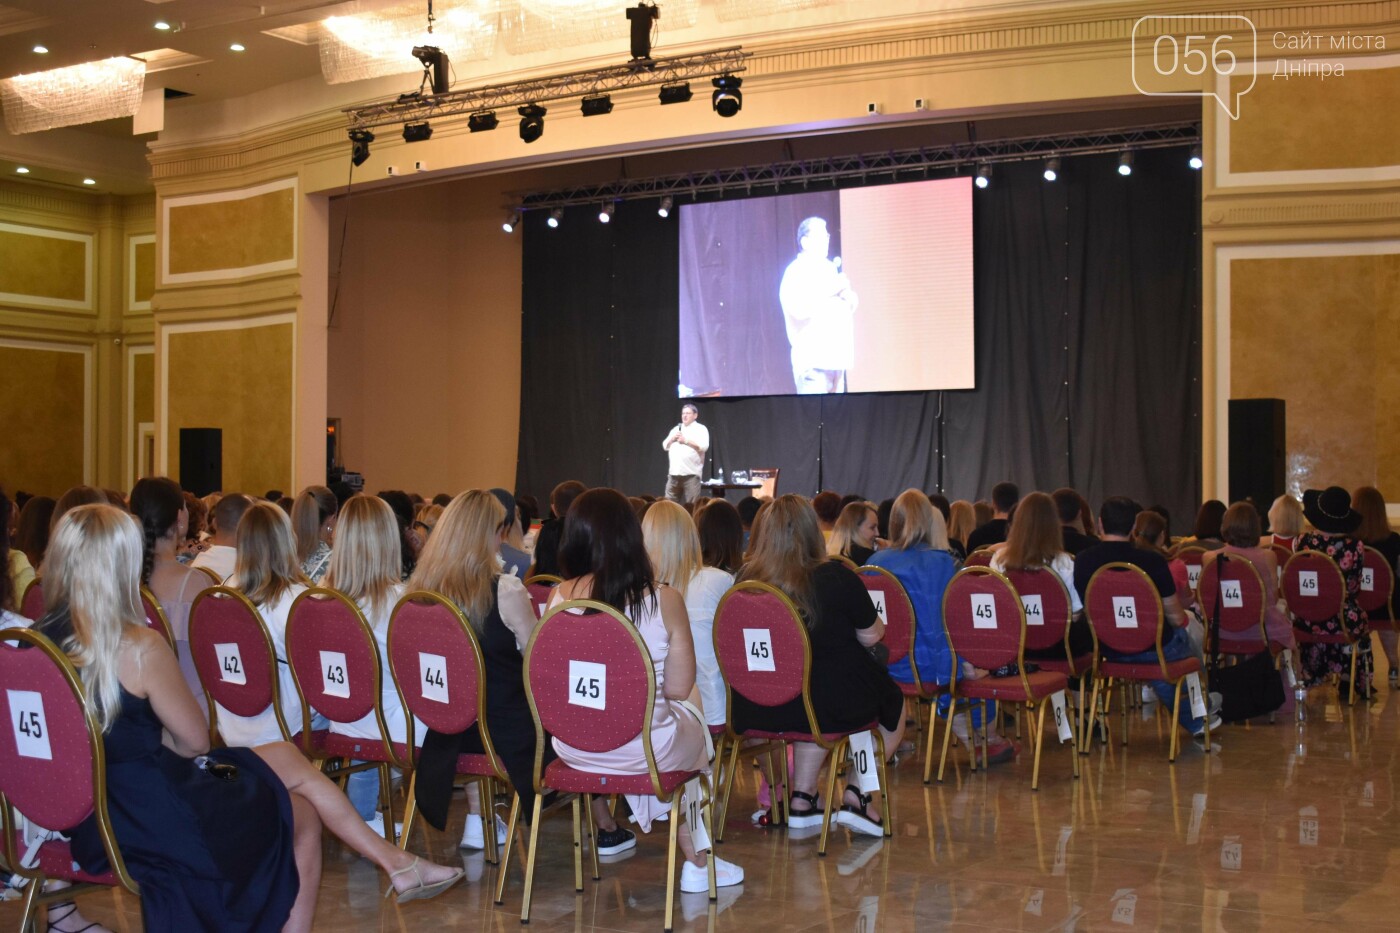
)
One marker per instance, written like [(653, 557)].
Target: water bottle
[(1300, 698)]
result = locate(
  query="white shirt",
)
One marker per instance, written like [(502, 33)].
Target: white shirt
[(219, 559), (1063, 565), (395, 717), (702, 596), (686, 460), (251, 731), (820, 319)]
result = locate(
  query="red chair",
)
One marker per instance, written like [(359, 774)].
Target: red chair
[(982, 557), (1232, 589), (592, 685), (1194, 559), (211, 574), (901, 633), (1049, 612), (1281, 557), (441, 679), (765, 657), (1315, 591), (1125, 612), (541, 588), (338, 673), (237, 665), (155, 616), (52, 770), (986, 626), (1377, 590), (31, 605)]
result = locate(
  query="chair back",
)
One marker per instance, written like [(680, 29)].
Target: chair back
[(52, 760), (1313, 587), (984, 618), (1194, 559), (155, 616), (541, 588), (1047, 607), (1377, 587), (895, 610), (233, 654), (1231, 589), (1124, 608), (982, 557), (211, 574), (762, 646), (590, 680), (436, 663), (335, 661), (767, 478), (31, 604)]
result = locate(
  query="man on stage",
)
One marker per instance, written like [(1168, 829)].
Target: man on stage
[(686, 446), (819, 311)]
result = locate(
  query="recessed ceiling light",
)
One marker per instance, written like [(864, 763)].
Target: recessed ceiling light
[(89, 181), (41, 50), (162, 25), (237, 47), (22, 170)]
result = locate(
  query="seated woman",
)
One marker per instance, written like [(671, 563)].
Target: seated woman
[(603, 558), (1151, 534), (854, 535), (673, 544), (1329, 511), (459, 562), (850, 688), (1241, 532), (227, 839), (1207, 531), (1374, 531), (314, 515), (1035, 542), (1285, 523)]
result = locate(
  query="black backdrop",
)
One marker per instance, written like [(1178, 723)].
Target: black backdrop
[(1087, 344)]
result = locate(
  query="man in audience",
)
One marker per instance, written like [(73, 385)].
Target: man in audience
[(1067, 505), (685, 449), (513, 560), (748, 507), (221, 556), (1116, 518), (1004, 499), (827, 505), (552, 530)]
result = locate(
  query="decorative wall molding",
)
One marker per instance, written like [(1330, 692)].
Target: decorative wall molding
[(89, 240), (1367, 211), (89, 389), (169, 204), (130, 451), (130, 271)]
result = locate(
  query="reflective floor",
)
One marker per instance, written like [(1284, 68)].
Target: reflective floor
[(1281, 827)]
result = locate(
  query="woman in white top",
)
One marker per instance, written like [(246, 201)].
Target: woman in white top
[(673, 544)]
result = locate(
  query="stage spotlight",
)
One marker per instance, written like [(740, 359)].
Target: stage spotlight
[(675, 93), (727, 98), (1195, 161), (512, 222), (359, 146), (1052, 169), (597, 105), (605, 212), (417, 132), (555, 216), (666, 204), (482, 120), (642, 16), (531, 122), (984, 176), (434, 59), (1125, 164)]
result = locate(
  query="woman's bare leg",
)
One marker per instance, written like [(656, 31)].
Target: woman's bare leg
[(306, 843)]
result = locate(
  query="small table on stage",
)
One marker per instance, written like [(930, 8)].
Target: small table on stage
[(719, 490)]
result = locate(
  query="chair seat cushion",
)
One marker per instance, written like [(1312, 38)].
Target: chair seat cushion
[(1309, 637), (1071, 667), (719, 730), (559, 776), (474, 763), (929, 692), (1175, 670), (828, 738), (318, 743), (1042, 684), (345, 746), (1251, 647)]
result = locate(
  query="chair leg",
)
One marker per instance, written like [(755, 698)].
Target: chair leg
[(510, 844), (578, 844), (592, 834), (530, 854), (671, 848), (885, 821), (487, 790), (30, 911), (1123, 688), (1091, 719), (1175, 724), (410, 809), (833, 762), (728, 783), (1351, 700), (987, 714), (947, 736), (386, 802), (931, 734), (1039, 738), (709, 810)]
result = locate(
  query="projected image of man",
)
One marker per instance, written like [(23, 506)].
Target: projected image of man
[(819, 310), (685, 445)]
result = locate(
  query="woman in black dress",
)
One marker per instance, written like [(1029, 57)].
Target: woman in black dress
[(1374, 532)]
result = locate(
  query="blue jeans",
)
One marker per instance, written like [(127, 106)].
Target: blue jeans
[(1177, 647), (362, 788)]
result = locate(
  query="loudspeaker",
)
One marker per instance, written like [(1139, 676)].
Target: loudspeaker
[(201, 460), (1258, 451)]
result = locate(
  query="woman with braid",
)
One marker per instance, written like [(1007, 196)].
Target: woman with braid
[(159, 506)]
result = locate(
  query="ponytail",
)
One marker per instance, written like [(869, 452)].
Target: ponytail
[(313, 506), (156, 502)]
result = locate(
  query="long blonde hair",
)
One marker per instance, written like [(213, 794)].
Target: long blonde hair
[(672, 543), (962, 520), (914, 520), (267, 564), (93, 568), (788, 551), (843, 534), (459, 560), (367, 560), (313, 506)]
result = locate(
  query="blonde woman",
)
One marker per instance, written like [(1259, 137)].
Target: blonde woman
[(459, 562), (227, 839), (314, 515), (962, 522), (1285, 523), (853, 536), (673, 544)]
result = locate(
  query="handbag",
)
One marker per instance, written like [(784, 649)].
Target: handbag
[(1248, 688)]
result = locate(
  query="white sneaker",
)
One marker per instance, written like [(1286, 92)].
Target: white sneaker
[(695, 879), (473, 836), (377, 824)]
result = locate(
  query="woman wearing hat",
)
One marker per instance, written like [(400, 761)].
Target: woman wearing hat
[(1330, 513)]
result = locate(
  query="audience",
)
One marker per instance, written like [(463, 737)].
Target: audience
[(1285, 523), (962, 522), (1035, 543), (1150, 534), (1004, 499), (853, 536), (32, 532), (1330, 513), (222, 554), (1206, 534), (721, 536), (193, 541), (1374, 532), (314, 515), (982, 512), (513, 559), (1069, 507), (410, 540), (547, 542), (827, 505)]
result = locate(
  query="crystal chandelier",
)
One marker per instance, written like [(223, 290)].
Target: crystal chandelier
[(86, 93), (730, 10), (373, 45)]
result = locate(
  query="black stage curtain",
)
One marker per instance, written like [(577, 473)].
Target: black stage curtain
[(1087, 344)]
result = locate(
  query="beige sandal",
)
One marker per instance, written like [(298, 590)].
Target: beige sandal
[(420, 891)]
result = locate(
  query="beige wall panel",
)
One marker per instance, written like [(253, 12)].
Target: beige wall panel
[(424, 369), (1319, 333), (143, 400), (143, 271), (1307, 123), (233, 234), (43, 266), (43, 422), (239, 380)]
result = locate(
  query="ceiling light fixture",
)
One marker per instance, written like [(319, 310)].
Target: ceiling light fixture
[(162, 25), (482, 120), (1195, 160), (727, 98), (436, 64), (555, 216), (597, 105), (238, 47), (1125, 164), (41, 50), (512, 222), (984, 176), (531, 122), (1052, 168), (359, 146), (664, 210), (417, 132), (89, 181), (606, 211), (22, 170), (675, 93), (641, 17)]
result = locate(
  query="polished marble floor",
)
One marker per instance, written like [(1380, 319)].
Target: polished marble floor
[(1282, 827)]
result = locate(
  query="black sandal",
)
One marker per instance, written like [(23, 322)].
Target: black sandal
[(855, 818), (812, 816), (50, 919)]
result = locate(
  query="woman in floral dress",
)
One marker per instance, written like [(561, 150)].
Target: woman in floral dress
[(1330, 513)]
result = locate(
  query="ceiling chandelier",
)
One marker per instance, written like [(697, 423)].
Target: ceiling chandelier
[(86, 93)]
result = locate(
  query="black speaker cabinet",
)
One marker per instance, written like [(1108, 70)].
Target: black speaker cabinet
[(1258, 451), (201, 460)]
